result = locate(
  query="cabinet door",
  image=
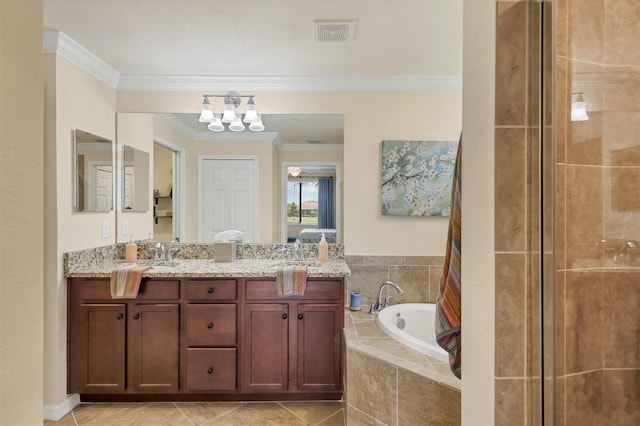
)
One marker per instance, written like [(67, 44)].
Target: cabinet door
[(319, 347), (97, 348), (153, 348), (265, 351)]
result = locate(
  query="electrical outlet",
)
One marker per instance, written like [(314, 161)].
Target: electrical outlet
[(125, 227), (105, 230)]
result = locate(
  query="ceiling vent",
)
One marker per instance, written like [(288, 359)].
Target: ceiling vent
[(333, 30)]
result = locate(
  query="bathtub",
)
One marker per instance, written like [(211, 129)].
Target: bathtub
[(418, 327)]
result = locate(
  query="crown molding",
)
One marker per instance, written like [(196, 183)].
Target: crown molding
[(310, 147), (176, 124), (235, 136), (57, 42), (291, 83)]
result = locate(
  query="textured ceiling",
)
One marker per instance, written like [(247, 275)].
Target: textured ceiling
[(264, 37)]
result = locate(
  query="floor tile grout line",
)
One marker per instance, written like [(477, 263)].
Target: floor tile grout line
[(210, 422), (183, 414), (73, 416), (107, 416), (333, 414), (289, 411)]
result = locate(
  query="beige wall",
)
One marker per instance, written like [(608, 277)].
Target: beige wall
[(76, 100), (407, 116), (136, 130), (22, 214), (478, 212)]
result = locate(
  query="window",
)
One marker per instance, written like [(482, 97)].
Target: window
[(302, 201)]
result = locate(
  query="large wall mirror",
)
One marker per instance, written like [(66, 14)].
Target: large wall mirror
[(191, 199), (93, 167)]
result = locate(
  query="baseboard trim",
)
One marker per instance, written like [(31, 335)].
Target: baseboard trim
[(56, 412)]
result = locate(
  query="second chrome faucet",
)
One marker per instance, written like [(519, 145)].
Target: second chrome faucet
[(382, 303)]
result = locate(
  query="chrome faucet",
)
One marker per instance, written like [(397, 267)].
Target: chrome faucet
[(383, 303), (164, 253)]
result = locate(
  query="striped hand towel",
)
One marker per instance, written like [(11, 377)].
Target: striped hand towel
[(448, 301), (291, 280), (125, 282)]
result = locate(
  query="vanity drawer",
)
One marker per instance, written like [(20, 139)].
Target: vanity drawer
[(211, 369), (205, 290), (315, 289), (211, 325), (150, 289)]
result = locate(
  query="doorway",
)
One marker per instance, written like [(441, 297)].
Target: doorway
[(228, 197), (168, 197)]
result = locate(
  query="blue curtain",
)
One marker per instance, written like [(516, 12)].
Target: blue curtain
[(326, 215)]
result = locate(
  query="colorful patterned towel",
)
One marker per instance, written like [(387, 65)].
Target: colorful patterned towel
[(125, 282), (448, 302), (291, 280)]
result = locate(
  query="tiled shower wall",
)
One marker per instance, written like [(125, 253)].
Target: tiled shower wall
[(517, 191), (594, 179), (598, 210)]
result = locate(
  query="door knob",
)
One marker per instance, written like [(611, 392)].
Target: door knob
[(210, 325), (285, 316), (136, 316), (300, 316)]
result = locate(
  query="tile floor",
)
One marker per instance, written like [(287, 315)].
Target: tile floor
[(206, 413)]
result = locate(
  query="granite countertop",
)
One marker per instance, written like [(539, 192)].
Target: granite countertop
[(208, 268)]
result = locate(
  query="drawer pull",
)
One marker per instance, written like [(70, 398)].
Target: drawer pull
[(136, 316), (300, 316), (120, 316), (210, 325), (285, 316), (210, 290), (210, 370)]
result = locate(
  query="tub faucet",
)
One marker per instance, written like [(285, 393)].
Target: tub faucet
[(383, 303)]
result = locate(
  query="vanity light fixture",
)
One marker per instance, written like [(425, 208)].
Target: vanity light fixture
[(229, 115), (578, 108)]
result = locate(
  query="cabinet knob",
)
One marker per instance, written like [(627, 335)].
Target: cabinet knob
[(210, 290), (210, 325), (300, 316), (285, 316), (120, 316), (136, 316), (210, 370)]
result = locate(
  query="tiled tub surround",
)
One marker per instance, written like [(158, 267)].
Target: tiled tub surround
[(388, 383), (418, 276)]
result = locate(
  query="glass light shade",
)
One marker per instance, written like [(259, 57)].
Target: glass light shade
[(251, 115), (207, 112), (579, 111), (229, 115), (237, 125), (216, 125), (257, 125)]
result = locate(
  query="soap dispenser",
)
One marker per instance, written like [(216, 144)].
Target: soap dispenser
[(323, 250), (131, 251)]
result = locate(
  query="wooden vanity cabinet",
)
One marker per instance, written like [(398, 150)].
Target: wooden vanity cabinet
[(210, 335), (293, 344), (205, 339), (123, 345)]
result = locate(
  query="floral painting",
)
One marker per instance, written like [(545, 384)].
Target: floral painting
[(417, 177)]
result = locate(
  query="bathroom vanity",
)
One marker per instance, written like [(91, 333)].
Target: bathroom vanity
[(199, 330)]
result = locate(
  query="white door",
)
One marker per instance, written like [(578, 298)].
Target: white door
[(228, 198), (128, 188), (103, 188)]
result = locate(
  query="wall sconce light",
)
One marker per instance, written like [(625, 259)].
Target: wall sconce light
[(294, 171), (229, 115), (578, 108)]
